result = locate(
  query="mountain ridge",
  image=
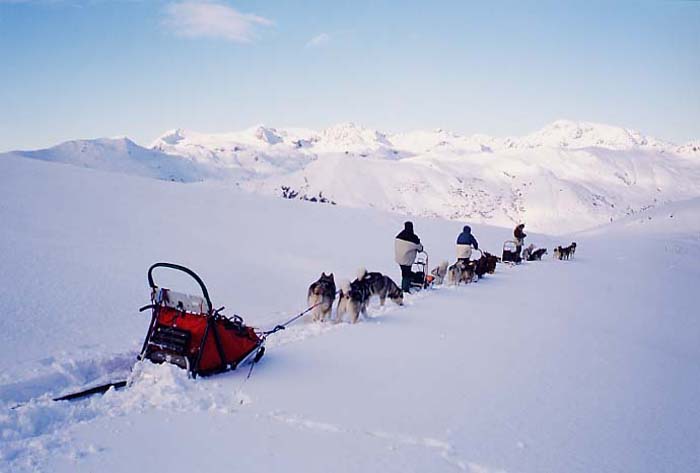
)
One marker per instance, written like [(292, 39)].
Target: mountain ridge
[(567, 176)]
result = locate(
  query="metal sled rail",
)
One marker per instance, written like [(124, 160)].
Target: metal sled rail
[(101, 389)]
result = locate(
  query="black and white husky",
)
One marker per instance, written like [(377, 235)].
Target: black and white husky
[(382, 286), (461, 271), (321, 295), (353, 298), (537, 254)]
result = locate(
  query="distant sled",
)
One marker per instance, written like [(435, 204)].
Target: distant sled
[(510, 252)]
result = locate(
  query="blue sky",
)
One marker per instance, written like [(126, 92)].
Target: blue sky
[(89, 68)]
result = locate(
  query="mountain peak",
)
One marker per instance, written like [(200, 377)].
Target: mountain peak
[(266, 134), (579, 134), (351, 135), (171, 137)]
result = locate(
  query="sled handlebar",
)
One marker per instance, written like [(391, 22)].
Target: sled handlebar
[(185, 270)]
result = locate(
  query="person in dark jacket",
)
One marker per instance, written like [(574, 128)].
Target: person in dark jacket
[(406, 247), (466, 243), (519, 235)]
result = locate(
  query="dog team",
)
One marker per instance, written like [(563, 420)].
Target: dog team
[(565, 253), (353, 297)]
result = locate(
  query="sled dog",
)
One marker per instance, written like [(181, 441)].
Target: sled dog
[(353, 299), (382, 286), (527, 252), (461, 271), (491, 261), (440, 272), (322, 292), (564, 253), (485, 264), (537, 254)]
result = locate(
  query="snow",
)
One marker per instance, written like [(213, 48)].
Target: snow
[(119, 155), (578, 366), (568, 176), (570, 134)]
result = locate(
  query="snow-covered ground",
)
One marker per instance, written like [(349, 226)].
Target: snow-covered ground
[(568, 176), (580, 366)]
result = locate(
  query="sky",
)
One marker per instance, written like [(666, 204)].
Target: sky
[(74, 69)]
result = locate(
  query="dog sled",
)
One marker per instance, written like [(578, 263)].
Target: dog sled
[(421, 277), (187, 331), (510, 252)]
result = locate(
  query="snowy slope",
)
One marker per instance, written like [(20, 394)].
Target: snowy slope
[(120, 155), (580, 366), (681, 219), (568, 176)]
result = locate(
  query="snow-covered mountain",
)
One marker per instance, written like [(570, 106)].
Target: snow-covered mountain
[(570, 134), (567, 176), (123, 156)]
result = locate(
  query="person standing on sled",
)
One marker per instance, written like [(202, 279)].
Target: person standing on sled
[(406, 247), (519, 235), (465, 244)]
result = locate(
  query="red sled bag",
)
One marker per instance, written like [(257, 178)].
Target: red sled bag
[(185, 330)]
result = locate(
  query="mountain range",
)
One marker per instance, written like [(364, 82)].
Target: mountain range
[(566, 177)]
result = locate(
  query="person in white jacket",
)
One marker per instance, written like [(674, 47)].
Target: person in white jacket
[(406, 247)]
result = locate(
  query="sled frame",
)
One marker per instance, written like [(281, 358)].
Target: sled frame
[(211, 315)]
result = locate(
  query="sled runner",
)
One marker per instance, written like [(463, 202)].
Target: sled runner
[(510, 252), (187, 331), (421, 277)]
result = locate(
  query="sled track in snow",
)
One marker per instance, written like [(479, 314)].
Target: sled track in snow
[(72, 376), (36, 428), (62, 376)]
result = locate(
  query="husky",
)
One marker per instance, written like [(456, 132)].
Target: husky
[(564, 253), (527, 252), (440, 272), (569, 251), (353, 298), (491, 261), (485, 264), (461, 271), (538, 254), (322, 295), (383, 286)]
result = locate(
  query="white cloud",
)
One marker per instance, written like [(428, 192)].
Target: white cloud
[(318, 40), (212, 19)]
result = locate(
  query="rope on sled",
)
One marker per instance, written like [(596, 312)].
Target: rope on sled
[(276, 329), (283, 326)]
